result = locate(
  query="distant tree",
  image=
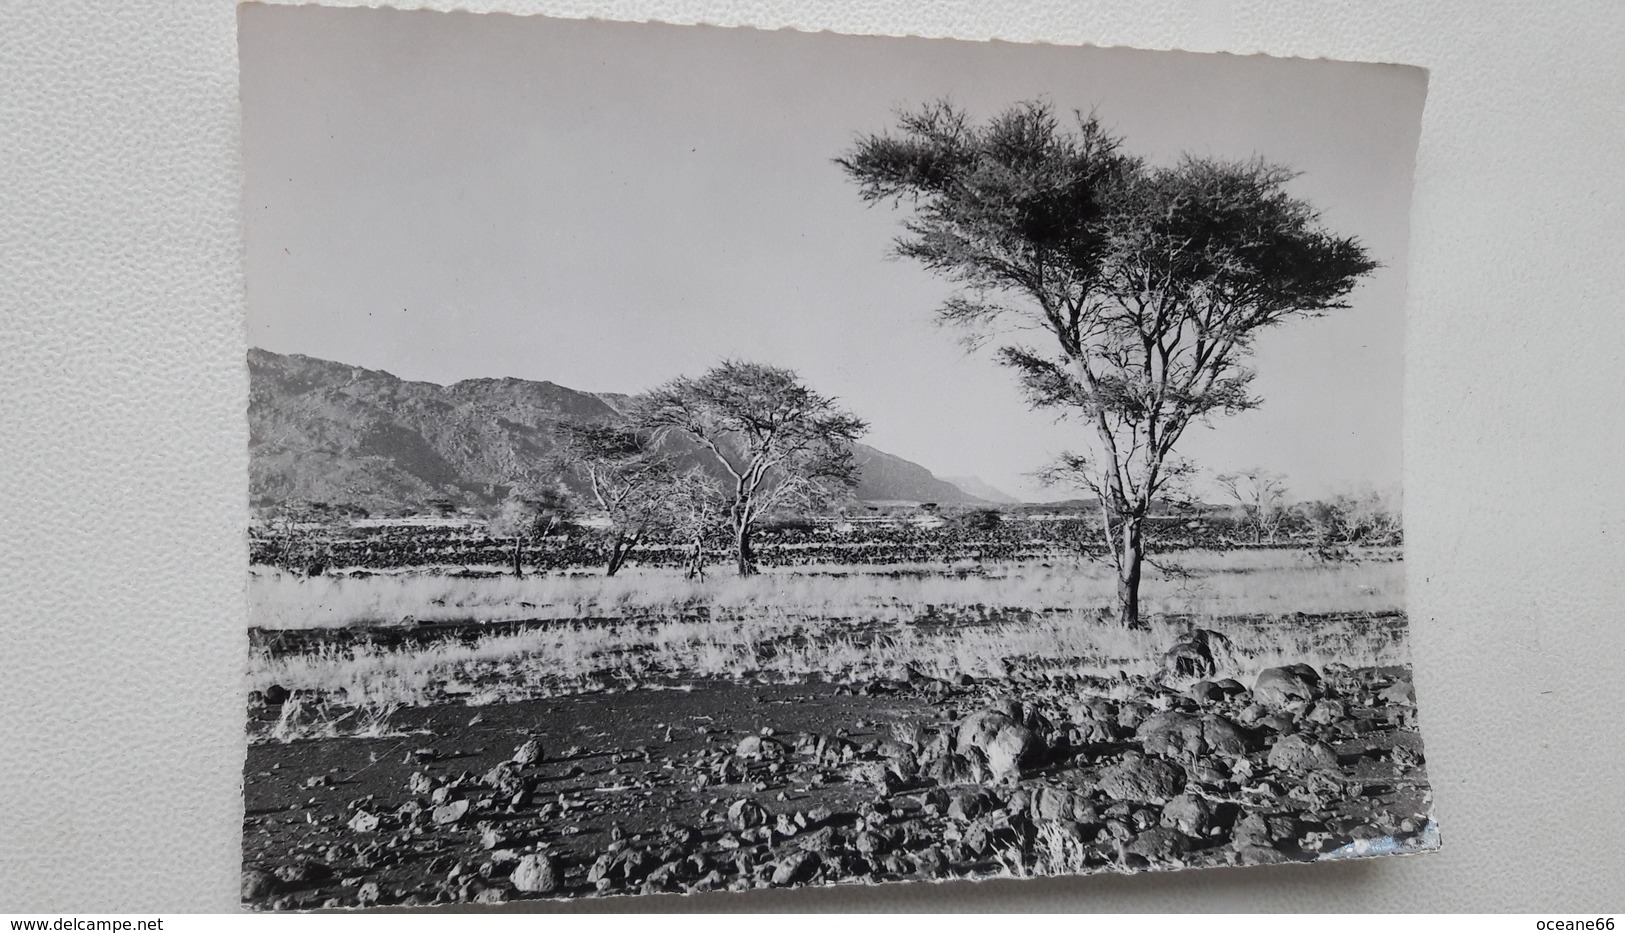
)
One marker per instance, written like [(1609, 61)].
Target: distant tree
[(1145, 286), (524, 516), (297, 540), (981, 519), (1352, 519), (630, 484), (781, 443), (1261, 496)]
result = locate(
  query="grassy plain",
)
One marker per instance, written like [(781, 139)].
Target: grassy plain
[(849, 623)]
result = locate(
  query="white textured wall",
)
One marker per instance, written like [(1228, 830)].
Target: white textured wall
[(123, 469)]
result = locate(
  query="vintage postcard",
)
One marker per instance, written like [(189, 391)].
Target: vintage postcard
[(690, 459)]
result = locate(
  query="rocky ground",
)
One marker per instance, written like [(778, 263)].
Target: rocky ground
[(735, 785)]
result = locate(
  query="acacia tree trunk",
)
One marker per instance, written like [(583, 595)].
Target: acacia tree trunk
[(518, 562), (743, 556), (696, 558), (1130, 559), (619, 550)]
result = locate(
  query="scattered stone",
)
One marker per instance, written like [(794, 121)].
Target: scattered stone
[(1325, 711), (870, 842), (795, 868), (506, 779), (1130, 713), (954, 768), (302, 873), (492, 895), (1178, 735), (448, 813), (363, 822), (931, 862), (258, 884), (758, 748), (1281, 723), (1189, 814), (966, 804), (1302, 753), (1264, 830), (1204, 692), (876, 774), (528, 753), (1223, 737), (746, 814)]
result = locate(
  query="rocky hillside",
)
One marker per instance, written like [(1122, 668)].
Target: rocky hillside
[(321, 431)]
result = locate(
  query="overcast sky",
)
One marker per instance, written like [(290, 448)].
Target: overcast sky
[(606, 206)]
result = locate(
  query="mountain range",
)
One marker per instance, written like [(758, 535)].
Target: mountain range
[(322, 431)]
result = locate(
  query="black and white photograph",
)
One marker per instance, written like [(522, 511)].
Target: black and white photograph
[(691, 459)]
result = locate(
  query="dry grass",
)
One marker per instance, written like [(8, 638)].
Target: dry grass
[(570, 658), (1214, 583), (643, 629)]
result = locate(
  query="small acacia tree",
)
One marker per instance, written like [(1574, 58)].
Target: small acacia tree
[(629, 483), (1262, 498), (697, 508), (524, 516), (781, 443), (1142, 286)]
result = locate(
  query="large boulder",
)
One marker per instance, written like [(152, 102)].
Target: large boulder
[(537, 874), (1293, 686), (1094, 720), (1223, 737), (1158, 844), (1192, 655), (1005, 744), (1139, 778), (1188, 658), (1172, 733)]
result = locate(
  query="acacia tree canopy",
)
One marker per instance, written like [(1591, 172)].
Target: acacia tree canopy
[(629, 483), (1141, 287), (526, 514), (781, 443)]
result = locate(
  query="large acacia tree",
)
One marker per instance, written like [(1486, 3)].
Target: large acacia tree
[(781, 443), (1129, 294)]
